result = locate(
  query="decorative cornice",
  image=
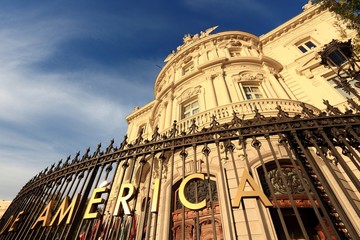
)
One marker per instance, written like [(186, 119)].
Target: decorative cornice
[(291, 24), (139, 111)]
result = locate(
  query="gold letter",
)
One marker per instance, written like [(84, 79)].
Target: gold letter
[(45, 216), (61, 212), (17, 219), (123, 199), (93, 202), (6, 226), (256, 193), (155, 200), (183, 200)]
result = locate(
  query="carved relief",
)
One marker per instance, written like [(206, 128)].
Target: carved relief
[(248, 76), (188, 93), (236, 77), (187, 59), (235, 43)]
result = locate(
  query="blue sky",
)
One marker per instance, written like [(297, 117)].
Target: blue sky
[(70, 71)]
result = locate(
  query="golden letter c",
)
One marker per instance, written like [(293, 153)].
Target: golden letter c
[(183, 200)]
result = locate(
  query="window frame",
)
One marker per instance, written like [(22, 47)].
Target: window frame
[(243, 85), (303, 45), (191, 110)]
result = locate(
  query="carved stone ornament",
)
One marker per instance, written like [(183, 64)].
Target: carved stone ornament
[(235, 43), (188, 39), (187, 59), (188, 93), (249, 76)]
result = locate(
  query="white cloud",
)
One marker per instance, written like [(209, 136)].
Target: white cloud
[(45, 117)]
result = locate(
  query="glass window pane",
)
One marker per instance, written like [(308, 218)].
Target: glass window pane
[(310, 45), (337, 58), (255, 89), (252, 92), (302, 49), (190, 109)]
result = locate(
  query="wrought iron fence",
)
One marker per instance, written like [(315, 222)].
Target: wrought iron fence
[(321, 160)]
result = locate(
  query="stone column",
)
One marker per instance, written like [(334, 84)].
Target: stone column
[(163, 116), (222, 92), (212, 101), (169, 109)]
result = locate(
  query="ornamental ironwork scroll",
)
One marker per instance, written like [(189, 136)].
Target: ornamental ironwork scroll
[(307, 139)]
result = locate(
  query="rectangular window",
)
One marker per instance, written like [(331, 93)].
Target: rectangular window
[(335, 83), (337, 58), (306, 46), (252, 92), (190, 109)]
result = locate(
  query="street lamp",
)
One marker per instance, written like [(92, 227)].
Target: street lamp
[(340, 57)]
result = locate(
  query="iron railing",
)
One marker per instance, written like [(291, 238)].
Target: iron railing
[(314, 165)]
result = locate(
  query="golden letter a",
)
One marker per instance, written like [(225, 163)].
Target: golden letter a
[(255, 193), (65, 209), (45, 216)]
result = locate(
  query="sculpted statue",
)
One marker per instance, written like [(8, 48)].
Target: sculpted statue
[(187, 39)]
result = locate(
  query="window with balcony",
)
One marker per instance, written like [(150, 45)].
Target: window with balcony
[(190, 108), (252, 92)]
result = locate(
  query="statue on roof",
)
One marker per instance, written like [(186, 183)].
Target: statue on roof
[(308, 5), (208, 31), (188, 38)]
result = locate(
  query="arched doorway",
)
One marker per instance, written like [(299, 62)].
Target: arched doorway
[(201, 224), (293, 213)]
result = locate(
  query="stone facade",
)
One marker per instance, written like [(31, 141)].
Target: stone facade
[(3, 206), (246, 138), (215, 74)]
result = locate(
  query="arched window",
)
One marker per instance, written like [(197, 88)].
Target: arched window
[(288, 192), (202, 221)]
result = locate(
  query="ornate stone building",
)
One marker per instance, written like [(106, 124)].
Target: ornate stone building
[(3, 206), (246, 138)]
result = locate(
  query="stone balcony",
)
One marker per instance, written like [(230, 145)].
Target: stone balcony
[(245, 109)]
